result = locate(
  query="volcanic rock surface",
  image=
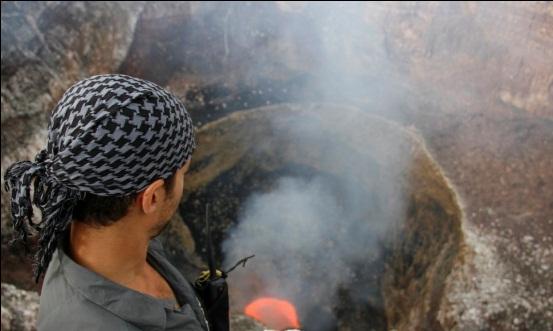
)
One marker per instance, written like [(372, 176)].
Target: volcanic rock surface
[(473, 81), (19, 308)]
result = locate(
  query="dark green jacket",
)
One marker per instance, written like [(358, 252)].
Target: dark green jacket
[(76, 298)]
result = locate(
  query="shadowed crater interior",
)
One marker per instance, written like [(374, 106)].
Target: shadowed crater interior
[(405, 210)]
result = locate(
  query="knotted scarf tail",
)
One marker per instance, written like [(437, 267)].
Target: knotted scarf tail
[(17, 181), (55, 201)]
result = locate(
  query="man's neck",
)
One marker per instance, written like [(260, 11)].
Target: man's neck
[(115, 252)]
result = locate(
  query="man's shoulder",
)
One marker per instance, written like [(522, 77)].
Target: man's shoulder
[(63, 306), (80, 315)]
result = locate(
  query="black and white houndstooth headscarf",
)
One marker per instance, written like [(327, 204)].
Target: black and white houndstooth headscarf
[(109, 135)]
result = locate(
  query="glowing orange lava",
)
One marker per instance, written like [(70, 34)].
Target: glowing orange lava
[(274, 313)]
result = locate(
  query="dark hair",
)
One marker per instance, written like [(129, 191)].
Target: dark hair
[(101, 210)]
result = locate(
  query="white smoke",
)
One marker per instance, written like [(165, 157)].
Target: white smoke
[(314, 235)]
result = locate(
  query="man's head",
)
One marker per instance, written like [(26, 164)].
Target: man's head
[(158, 203), (118, 147)]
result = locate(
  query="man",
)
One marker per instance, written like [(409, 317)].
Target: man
[(108, 182)]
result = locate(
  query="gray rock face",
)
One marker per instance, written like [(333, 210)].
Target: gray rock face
[(19, 308), (47, 46)]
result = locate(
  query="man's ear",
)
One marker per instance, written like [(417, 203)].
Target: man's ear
[(150, 199)]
